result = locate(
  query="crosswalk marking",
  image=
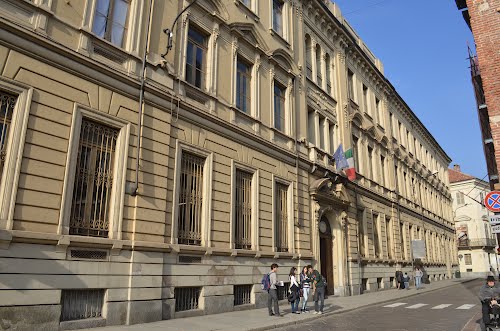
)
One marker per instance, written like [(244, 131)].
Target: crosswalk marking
[(418, 305), (394, 305), (441, 306), (465, 307)]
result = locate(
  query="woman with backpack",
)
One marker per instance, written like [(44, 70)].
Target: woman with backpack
[(294, 292), (305, 284)]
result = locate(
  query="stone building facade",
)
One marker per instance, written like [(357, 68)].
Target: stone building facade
[(135, 191), (476, 242)]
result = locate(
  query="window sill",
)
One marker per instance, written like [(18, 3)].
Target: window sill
[(247, 10), (280, 37), (326, 93)]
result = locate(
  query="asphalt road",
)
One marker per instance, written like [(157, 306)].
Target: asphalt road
[(456, 308)]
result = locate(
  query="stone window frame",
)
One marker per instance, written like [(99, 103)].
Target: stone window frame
[(254, 82), (291, 237), (253, 8), (362, 226), (132, 40), (288, 90), (235, 165), (206, 223), (286, 24), (14, 150), (117, 198)]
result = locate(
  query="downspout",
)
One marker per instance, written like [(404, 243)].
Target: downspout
[(134, 189)]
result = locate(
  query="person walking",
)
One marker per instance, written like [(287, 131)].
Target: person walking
[(418, 278), (272, 297), (294, 296), (305, 284), (399, 279), (406, 281), (318, 290)]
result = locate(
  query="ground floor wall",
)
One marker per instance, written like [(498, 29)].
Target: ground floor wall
[(477, 263)]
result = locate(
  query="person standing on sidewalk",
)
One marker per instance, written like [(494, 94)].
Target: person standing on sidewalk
[(399, 278), (294, 296), (318, 290), (272, 297), (406, 280), (305, 284), (418, 278)]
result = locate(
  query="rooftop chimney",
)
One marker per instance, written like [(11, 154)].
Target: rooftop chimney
[(456, 167)]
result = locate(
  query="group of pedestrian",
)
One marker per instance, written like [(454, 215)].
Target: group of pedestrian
[(308, 282), (403, 280)]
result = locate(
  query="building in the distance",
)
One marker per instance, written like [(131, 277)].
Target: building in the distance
[(130, 196), (476, 242), (483, 18)]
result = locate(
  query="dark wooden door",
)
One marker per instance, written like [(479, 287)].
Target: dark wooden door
[(326, 261)]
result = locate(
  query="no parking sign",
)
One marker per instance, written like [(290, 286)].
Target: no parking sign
[(492, 201)]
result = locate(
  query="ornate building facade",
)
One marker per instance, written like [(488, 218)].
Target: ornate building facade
[(150, 182)]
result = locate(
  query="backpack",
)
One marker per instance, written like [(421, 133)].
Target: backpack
[(324, 280), (265, 283)]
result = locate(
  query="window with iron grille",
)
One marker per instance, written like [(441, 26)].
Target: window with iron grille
[(243, 81), (195, 57), (283, 290), (279, 106), (468, 259), (7, 104), (186, 298), (281, 217), (278, 16), (81, 304), (243, 210), (93, 180), (242, 294), (111, 20), (190, 199)]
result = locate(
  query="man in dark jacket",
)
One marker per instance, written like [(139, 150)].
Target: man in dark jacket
[(489, 294)]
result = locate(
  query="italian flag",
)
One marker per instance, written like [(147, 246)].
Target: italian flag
[(350, 171)]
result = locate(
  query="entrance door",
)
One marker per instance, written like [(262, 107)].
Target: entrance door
[(325, 252)]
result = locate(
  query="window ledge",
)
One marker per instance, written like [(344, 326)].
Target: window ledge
[(247, 10), (244, 114), (280, 37)]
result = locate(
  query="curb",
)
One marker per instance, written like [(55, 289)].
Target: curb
[(341, 311)]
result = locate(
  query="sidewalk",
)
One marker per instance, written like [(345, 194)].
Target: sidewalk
[(258, 319)]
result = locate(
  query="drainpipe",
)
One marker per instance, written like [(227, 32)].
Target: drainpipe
[(133, 190)]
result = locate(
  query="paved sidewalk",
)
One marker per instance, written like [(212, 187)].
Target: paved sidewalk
[(258, 319)]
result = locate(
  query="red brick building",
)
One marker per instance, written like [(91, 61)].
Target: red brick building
[(483, 18)]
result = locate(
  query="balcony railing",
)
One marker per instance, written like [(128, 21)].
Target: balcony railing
[(481, 242)]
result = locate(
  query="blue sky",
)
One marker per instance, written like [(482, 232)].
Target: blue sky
[(423, 46)]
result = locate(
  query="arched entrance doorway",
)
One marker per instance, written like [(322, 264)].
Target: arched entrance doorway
[(326, 253)]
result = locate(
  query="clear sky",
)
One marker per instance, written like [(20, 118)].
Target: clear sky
[(423, 46)]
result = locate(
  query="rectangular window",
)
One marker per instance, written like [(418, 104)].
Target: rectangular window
[(388, 234), (332, 138), (110, 20), (281, 210), (279, 107), (391, 122), (94, 180), (7, 104), (242, 294), (376, 237), (322, 133), (365, 99), (350, 84), (311, 125), (382, 170), (195, 57), (460, 198), (186, 298), (190, 199), (278, 17), (468, 259), (243, 210), (319, 74), (370, 163), (81, 304), (380, 113), (243, 80), (328, 65), (361, 232), (402, 239), (355, 153), (247, 3)]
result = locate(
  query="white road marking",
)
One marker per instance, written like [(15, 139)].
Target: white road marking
[(418, 305), (394, 305), (465, 307), (442, 306)]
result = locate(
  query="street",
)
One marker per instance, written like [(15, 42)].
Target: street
[(454, 308)]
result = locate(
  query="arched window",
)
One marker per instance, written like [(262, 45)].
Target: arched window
[(328, 66), (318, 66), (309, 56)]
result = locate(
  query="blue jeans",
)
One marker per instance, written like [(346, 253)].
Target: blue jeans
[(295, 305), (305, 296), (407, 285), (418, 281)]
